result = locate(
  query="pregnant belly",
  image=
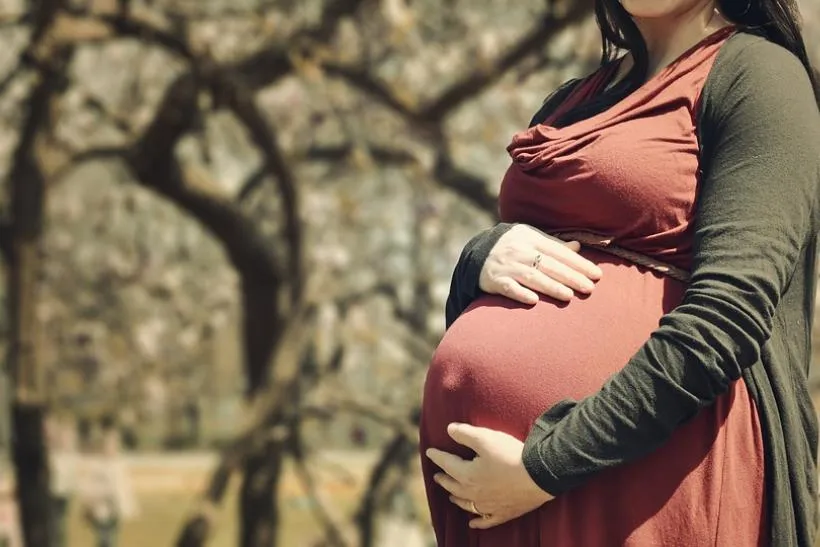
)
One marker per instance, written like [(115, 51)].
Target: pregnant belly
[(501, 364)]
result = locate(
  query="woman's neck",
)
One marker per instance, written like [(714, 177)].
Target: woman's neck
[(669, 37)]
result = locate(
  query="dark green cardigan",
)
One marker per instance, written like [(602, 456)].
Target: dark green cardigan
[(748, 309)]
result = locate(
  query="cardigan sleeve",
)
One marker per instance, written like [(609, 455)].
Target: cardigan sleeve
[(464, 283), (756, 213)]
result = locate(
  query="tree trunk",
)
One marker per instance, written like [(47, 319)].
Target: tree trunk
[(396, 455), (21, 248), (28, 398), (196, 529), (258, 502), (32, 474)]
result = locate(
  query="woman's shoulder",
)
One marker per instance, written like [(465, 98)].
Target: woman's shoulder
[(754, 77), (748, 62), (759, 101)]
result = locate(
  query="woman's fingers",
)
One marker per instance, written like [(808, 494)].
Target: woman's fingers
[(560, 272), (532, 278), (526, 261), (450, 484), (562, 252), (574, 246), (463, 504), (566, 251), (514, 290)]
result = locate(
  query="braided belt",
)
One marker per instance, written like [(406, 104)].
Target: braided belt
[(604, 244)]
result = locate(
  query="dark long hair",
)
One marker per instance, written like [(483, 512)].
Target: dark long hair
[(778, 21)]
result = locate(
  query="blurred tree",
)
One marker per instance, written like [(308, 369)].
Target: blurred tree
[(20, 241)]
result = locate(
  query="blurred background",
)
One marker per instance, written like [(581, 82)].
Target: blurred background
[(228, 229)]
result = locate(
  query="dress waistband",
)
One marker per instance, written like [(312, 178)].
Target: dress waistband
[(604, 243)]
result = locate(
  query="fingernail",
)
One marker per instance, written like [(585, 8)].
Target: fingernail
[(567, 293), (428, 452)]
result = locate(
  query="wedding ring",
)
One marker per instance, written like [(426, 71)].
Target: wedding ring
[(475, 510), (537, 260)]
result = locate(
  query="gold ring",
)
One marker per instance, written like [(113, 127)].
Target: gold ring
[(537, 260), (475, 510)]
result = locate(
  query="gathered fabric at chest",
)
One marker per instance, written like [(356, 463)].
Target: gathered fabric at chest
[(630, 173)]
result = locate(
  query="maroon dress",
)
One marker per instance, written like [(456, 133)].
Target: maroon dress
[(630, 173)]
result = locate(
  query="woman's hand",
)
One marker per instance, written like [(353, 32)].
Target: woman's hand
[(526, 261), (494, 485)]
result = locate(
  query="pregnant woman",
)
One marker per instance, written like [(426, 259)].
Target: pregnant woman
[(655, 393)]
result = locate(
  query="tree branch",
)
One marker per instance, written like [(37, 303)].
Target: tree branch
[(428, 120), (368, 409), (9, 78), (469, 186), (240, 100), (476, 82), (125, 25), (268, 410), (223, 12), (92, 154), (254, 181), (118, 121), (465, 184), (361, 79), (15, 19), (334, 532), (6, 238), (395, 454), (472, 84), (382, 154), (271, 64)]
